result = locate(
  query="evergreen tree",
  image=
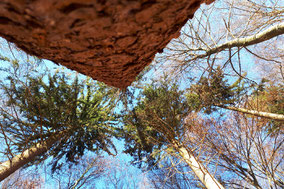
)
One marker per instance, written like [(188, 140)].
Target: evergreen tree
[(54, 115), (215, 91), (155, 127)]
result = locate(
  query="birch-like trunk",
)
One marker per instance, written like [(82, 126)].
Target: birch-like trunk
[(10, 166), (265, 35), (268, 115), (199, 170)]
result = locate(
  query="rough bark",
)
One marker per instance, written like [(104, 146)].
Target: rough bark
[(199, 170), (268, 115), (10, 166), (108, 40)]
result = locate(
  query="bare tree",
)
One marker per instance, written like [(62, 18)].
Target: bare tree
[(232, 34), (24, 179), (85, 174), (122, 175), (242, 148)]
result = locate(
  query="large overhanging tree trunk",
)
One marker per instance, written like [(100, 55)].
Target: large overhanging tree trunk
[(268, 115), (108, 40), (199, 170), (12, 165)]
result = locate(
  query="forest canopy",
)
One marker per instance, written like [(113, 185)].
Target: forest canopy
[(207, 113)]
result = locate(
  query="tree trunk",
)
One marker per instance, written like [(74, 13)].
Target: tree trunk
[(199, 170), (10, 166), (45, 24), (268, 115), (265, 35)]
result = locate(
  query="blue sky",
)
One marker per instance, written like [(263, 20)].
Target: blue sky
[(121, 158), (248, 64)]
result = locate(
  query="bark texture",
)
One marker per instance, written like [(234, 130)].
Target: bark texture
[(108, 40)]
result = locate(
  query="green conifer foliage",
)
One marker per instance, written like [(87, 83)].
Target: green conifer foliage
[(155, 122), (38, 105)]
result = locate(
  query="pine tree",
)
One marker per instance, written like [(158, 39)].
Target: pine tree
[(155, 127), (53, 115)]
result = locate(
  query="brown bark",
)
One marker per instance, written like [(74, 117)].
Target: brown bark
[(108, 40)]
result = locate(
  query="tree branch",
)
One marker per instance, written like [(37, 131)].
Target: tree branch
[(265, 35), (268, 115)]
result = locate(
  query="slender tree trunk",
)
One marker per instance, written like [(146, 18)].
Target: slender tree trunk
[(254, 112), (83, 175), (199, 170), (10, 166), (265, 35)]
